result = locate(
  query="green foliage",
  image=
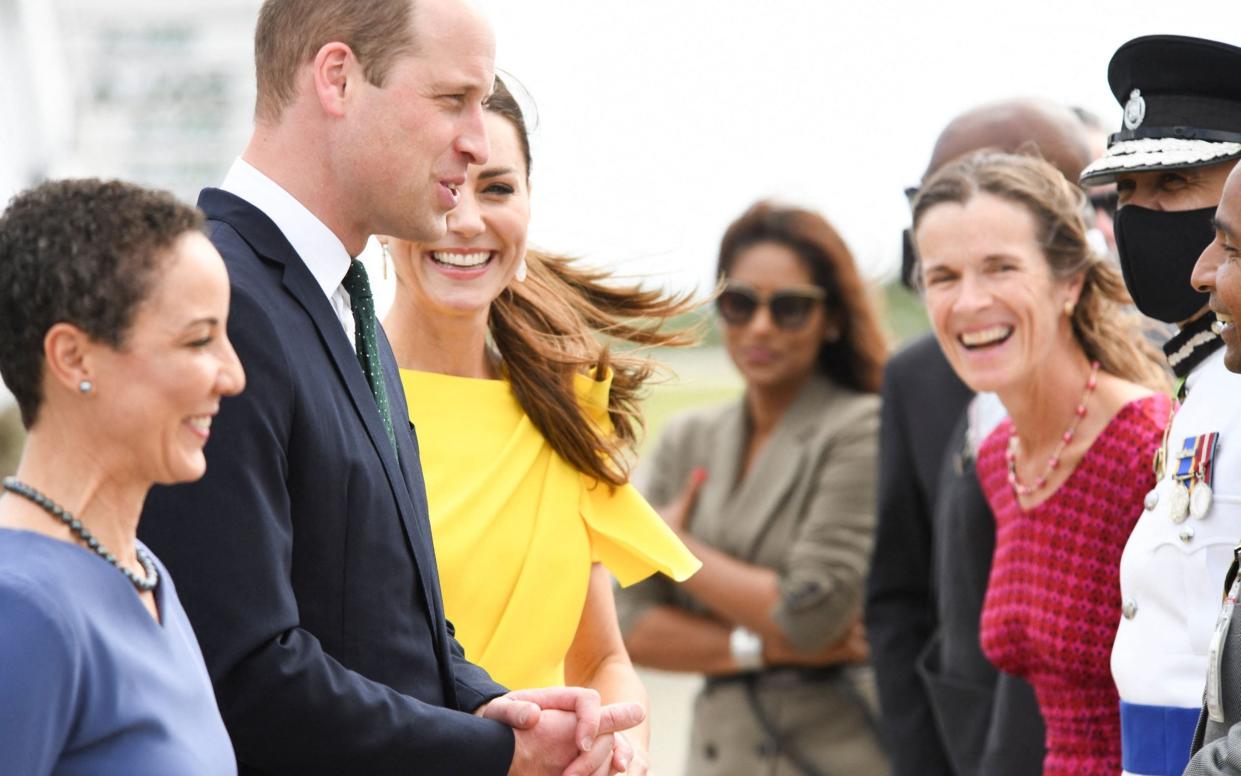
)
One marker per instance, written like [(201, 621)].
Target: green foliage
[(699, 377), (905, 316)]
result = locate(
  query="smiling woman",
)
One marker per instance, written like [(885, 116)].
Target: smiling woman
[(507, 341), (112, 312), (1023, 308)]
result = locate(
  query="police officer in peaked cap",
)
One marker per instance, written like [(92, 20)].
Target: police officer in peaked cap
[(1179, 137)]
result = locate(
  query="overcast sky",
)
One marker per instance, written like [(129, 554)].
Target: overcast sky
[(658, 121), (661, 120)]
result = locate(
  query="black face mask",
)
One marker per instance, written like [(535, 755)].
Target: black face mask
[(1158, 250)]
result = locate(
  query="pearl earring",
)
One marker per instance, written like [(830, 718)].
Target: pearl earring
[(520, 274), (1068, 309), (86, 386)]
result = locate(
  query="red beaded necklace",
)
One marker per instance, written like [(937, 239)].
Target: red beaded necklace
[(1053, 462)]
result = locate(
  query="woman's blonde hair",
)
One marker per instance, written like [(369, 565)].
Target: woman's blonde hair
[(1104, 324)]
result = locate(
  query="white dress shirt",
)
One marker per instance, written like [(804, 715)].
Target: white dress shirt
[(321, 250)]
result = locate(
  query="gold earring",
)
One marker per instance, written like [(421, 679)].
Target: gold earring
[(1068, 309), (387, 256)]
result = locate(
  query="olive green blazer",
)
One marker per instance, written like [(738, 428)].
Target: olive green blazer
[(806, 508)]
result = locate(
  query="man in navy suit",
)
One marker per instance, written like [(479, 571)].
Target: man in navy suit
[(304, 558)]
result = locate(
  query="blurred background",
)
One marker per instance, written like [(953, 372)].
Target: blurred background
[(655, 123)]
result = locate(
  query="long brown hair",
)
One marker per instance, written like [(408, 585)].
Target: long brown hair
[(1103, 324), (551, 328), (855, 358)]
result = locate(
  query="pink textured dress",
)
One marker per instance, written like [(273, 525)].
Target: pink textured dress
[(1053, 600)]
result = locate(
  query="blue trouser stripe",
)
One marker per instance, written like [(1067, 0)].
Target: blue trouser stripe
[(1155, 740)]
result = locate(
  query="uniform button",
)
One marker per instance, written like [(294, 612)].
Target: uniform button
[(710, 752), (765, 750), (1187, 534), (1130, 609), (1152, 500)]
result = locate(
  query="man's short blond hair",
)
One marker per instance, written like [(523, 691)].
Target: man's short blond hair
[(291, 32)]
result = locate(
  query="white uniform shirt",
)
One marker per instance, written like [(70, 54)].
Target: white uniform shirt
[(1172, 575)]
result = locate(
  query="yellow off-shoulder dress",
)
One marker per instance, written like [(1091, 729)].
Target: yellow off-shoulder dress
[(516, 527)]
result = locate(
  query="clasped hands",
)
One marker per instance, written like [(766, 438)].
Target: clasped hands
[(565, 731)]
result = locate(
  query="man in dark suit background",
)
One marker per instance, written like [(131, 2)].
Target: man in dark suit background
[(946, 709), (304, 557)]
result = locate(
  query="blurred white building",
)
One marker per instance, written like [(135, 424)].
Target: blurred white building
[(157, 93), (35, 127)]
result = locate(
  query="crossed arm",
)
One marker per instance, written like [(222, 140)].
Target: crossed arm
[(806, 611)]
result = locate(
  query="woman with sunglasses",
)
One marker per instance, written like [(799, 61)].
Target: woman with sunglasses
[(775, 494), (1023, 307)]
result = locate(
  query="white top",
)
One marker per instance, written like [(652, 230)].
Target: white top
[(985, 413), (1172, 575), (319, 247)]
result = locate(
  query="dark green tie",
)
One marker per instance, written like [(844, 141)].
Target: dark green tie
[(363, 304)]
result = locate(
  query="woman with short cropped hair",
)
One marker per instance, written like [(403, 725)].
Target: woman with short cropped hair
[(113, 306)]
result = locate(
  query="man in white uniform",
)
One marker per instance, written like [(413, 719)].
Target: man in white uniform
[(1180, 138)]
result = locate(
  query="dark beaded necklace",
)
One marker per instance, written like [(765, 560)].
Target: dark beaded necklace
[(13, 485)]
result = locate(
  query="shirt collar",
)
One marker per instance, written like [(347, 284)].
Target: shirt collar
[(319, 248)]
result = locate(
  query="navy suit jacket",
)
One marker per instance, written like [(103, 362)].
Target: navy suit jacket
[(304, 556)]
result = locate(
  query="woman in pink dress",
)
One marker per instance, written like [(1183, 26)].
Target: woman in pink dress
[(1023, 308)]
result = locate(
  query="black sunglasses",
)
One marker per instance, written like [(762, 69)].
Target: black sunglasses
[(1105, 201), (790, 308)]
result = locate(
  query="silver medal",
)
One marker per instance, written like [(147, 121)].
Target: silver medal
[(1152, 499), (1178, 503), (1200, 500)]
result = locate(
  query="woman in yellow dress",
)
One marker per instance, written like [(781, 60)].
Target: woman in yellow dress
[(525, 422)]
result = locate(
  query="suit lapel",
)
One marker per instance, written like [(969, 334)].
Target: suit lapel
[(759, 497), (415, 491), (268, 242), (723, 461), (300, 283)]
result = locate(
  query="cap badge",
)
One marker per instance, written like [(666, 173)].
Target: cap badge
[(1135, 110)]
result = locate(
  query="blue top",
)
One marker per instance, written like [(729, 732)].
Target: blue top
[(90, 683)]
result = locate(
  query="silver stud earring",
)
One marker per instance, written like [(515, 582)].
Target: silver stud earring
[(520, 274), (86, 386)]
